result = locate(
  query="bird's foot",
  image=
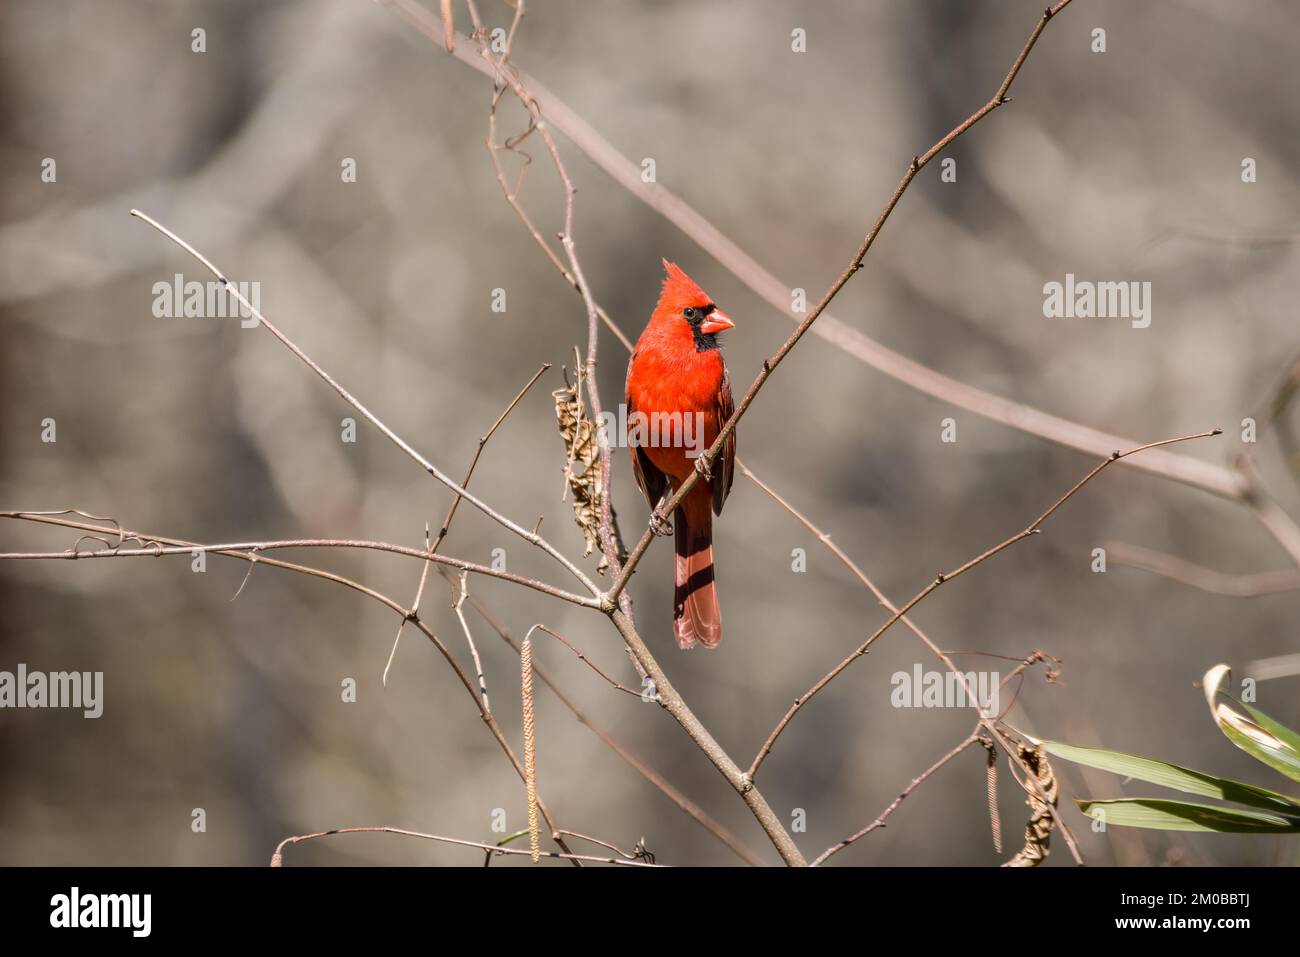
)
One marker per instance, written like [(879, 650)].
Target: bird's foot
[(660, 525), (704, 466)]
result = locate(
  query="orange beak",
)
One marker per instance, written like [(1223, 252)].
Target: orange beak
[(716, 321)]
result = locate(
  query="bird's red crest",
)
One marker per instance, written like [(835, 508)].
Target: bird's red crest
[(680, 290)]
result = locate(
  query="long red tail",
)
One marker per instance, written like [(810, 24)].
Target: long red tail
[(696, 615)]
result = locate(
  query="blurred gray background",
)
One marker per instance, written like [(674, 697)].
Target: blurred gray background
[(1122, 166)]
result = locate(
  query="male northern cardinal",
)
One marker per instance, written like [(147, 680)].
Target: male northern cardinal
[(678, 399)]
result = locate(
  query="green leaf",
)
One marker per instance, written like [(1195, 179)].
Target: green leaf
[(1278, 730), (1165, 815), (1278, 751), (1173, 776), (1261, 745)]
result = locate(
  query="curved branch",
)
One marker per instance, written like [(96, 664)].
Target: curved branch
[(277, 859), (401, 443), (156, 551), (1198, 576)]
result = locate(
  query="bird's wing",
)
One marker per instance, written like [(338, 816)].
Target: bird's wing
[(725, 468), (649, 478)]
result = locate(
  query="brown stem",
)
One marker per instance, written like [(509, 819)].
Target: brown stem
[(685, 804), (673, 703)]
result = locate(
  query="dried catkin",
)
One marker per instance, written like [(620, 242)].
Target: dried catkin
[(530, 746), (995, 819)]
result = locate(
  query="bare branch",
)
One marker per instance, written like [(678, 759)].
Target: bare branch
[(893, 806), (459, 606), (1198, 576), (583, 658), (415, 606), (396, 439), (277, 859), (156, 552), (989, 722), (54, 518), (1031, 529), (685, 804), (605, 844), (483, 440), (455, 502)]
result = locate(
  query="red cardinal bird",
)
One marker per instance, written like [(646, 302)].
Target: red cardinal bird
[(678, 399)]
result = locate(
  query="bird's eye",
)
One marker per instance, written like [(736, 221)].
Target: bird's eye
[(691, 314)]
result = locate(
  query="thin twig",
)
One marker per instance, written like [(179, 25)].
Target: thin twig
[(605, 844), (512, 198), (458, 604), (989, 722), (893, 806), (304, 543), (347, 396), (581, 657), (277, 859), (1032, 528), (455, 502), (415, 607), (685, 804), (483, 440)]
